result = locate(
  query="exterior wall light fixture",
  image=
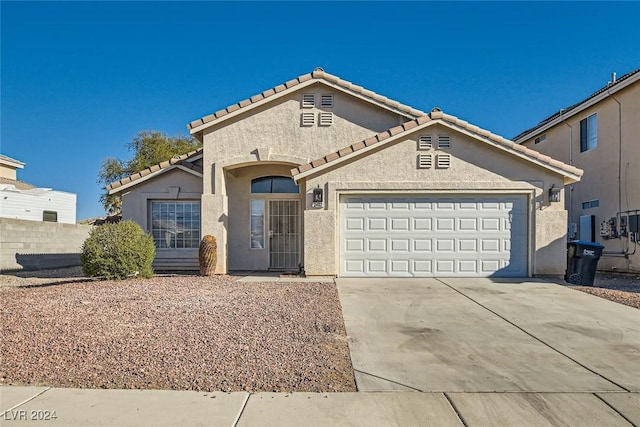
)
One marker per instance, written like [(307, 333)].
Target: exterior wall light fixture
[(554, 194)]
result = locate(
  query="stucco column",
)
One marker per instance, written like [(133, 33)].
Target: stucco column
[(214, 222), (320, 242)]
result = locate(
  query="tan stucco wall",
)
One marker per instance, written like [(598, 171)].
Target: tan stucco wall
[(8, 172), (611, 171), (176, 184), (475, 168), (273, 134)]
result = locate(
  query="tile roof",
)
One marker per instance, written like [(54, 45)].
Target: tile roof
[(318, 75), (20, 185), (568, 110), (182, 160), (435, 116)]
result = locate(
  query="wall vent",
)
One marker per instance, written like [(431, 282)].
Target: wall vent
[(326, 100), (326, 119), (424, 142), (308, 100), (539, 139), (307, 119), (444, 141), (443, 161), (425, 161)]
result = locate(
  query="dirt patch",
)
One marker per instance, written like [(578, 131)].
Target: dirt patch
[(175, 332)]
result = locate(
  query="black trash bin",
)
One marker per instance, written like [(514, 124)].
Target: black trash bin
[(582, 261)]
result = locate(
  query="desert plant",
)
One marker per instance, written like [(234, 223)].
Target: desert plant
[(208, 255), (117, 251)]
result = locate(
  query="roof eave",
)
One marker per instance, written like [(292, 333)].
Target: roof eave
[(121, 188), (519, 139), (459, 126), (274, 94)]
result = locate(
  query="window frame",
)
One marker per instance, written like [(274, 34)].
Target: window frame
[(589, 133), (590, 204), (193, 242), (261, 244), (53, 216)]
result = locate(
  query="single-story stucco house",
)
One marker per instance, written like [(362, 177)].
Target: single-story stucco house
[(322, 175)]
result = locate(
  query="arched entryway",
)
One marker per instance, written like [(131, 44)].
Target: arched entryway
[(265, 218)]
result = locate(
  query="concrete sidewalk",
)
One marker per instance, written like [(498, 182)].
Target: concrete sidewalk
[(30, 406)]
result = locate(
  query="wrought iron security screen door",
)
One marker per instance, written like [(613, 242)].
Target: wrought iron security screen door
[(284, 234)]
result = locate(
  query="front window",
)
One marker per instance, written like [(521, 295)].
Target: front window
[(175, 225), (50, 216), (274, 184), (589, 133), (257, 224)]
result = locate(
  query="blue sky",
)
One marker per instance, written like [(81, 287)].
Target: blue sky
[(80, 79)]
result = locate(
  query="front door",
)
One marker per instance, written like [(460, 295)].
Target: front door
[(284, 234)]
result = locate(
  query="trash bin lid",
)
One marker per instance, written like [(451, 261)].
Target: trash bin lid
[(586, 243)]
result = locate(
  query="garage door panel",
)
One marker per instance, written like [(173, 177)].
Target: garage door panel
[(434, 236), (422, 224), (376, 224), (467, 266), (354, 245), (422, 267), (467, 245), (468, 224), (355, 224), (377, 266), (400, 245), (445, 266), (445, 224), (377, 245), (400, 266), (400, 224), (421, 245)]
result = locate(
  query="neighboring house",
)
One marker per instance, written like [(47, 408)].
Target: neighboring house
[(600, 135), (20, 200), (323, 175)]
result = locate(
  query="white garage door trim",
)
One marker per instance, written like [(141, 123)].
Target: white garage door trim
[(434, 235)]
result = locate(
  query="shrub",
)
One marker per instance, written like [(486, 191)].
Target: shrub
[(117, 251)]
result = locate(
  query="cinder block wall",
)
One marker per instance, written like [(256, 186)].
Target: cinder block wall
[(35, 245)]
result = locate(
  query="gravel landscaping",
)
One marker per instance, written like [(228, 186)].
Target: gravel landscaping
[(620, 288), (186, 332), (178, 332)]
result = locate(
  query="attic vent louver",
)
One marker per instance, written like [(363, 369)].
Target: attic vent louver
[(308, 100), (444, 141), (307, 119), (424, 142), (326, 100), (425, 161), (443, 161), (326, 119)]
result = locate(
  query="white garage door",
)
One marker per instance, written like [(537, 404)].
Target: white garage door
[(428, 236)]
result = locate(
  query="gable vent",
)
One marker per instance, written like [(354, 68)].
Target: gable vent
[(326, 119), (307, 119), (443, 161), (308, 100), (444, 141), (424, 142), (425, 161), (326, 100)]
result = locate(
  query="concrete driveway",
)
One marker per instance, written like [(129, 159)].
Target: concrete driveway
[(495, 343)]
